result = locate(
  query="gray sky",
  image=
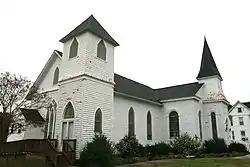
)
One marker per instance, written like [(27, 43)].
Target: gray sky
[(160, 41)]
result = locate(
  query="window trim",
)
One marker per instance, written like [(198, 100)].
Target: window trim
[(149, 126), (239, 108), (241, 121), (214, 125), (200, 123), (77, 55), (99, 58), (131, 123), (177, 122), (65, 109), (56, 69), (98, 111)]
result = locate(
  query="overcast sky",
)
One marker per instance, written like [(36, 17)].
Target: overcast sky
[(161, 42)]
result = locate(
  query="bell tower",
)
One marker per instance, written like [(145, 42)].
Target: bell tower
[(215, 104), (86, 83)]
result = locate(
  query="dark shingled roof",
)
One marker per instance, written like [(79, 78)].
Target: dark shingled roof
[(178, 91), (247, 104), (93, 26), (130, 87), (32, 115), (208, 66)]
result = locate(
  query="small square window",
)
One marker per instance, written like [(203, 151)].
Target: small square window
[(242, 133), (239, 110), (241, 121)]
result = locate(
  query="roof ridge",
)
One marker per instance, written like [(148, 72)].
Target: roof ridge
[(180, 85)]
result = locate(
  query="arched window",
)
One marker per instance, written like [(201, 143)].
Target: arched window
[(69, 111), (131, 122), (174, 124), (149, 126), (98, 121), (200, 125), (101, 50), (56, 76), (73, 49), (214, 126)]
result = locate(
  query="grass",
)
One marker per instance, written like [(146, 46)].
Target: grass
[(204, 162)]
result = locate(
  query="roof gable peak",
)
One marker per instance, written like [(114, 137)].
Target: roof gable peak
[(93, 26)]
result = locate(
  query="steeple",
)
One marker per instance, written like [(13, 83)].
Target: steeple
[(208, 67), (93, 26)]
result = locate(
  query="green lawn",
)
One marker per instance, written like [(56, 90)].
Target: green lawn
[(204, 162)]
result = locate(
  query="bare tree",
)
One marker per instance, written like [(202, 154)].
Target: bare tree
[(17, 92)]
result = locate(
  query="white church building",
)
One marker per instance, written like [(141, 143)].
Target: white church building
[(90, 98)]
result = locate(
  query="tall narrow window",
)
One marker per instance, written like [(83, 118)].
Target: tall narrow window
[(131, 122), (69, 111), (46, 125), (214, 126), (19, 128), (54, 107), (98, 121), (73, 49), (149, 126), (231, 119), (51, 122), (233, 137), (174, 124), (56, 76), (101, 50), (200, 124)]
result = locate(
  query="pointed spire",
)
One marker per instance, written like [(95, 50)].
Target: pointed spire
[(93, 26), (208, 66)]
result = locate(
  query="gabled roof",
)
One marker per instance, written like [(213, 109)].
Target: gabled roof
[(133, 88), (178, 91), (32, 115), (246, 104), (208, 66), (48, 64), (93, 26)]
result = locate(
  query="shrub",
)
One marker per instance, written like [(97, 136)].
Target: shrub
[(214, 146), (99, 152), (237, 147), (129, 147), (159, 149), (185, 145)]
